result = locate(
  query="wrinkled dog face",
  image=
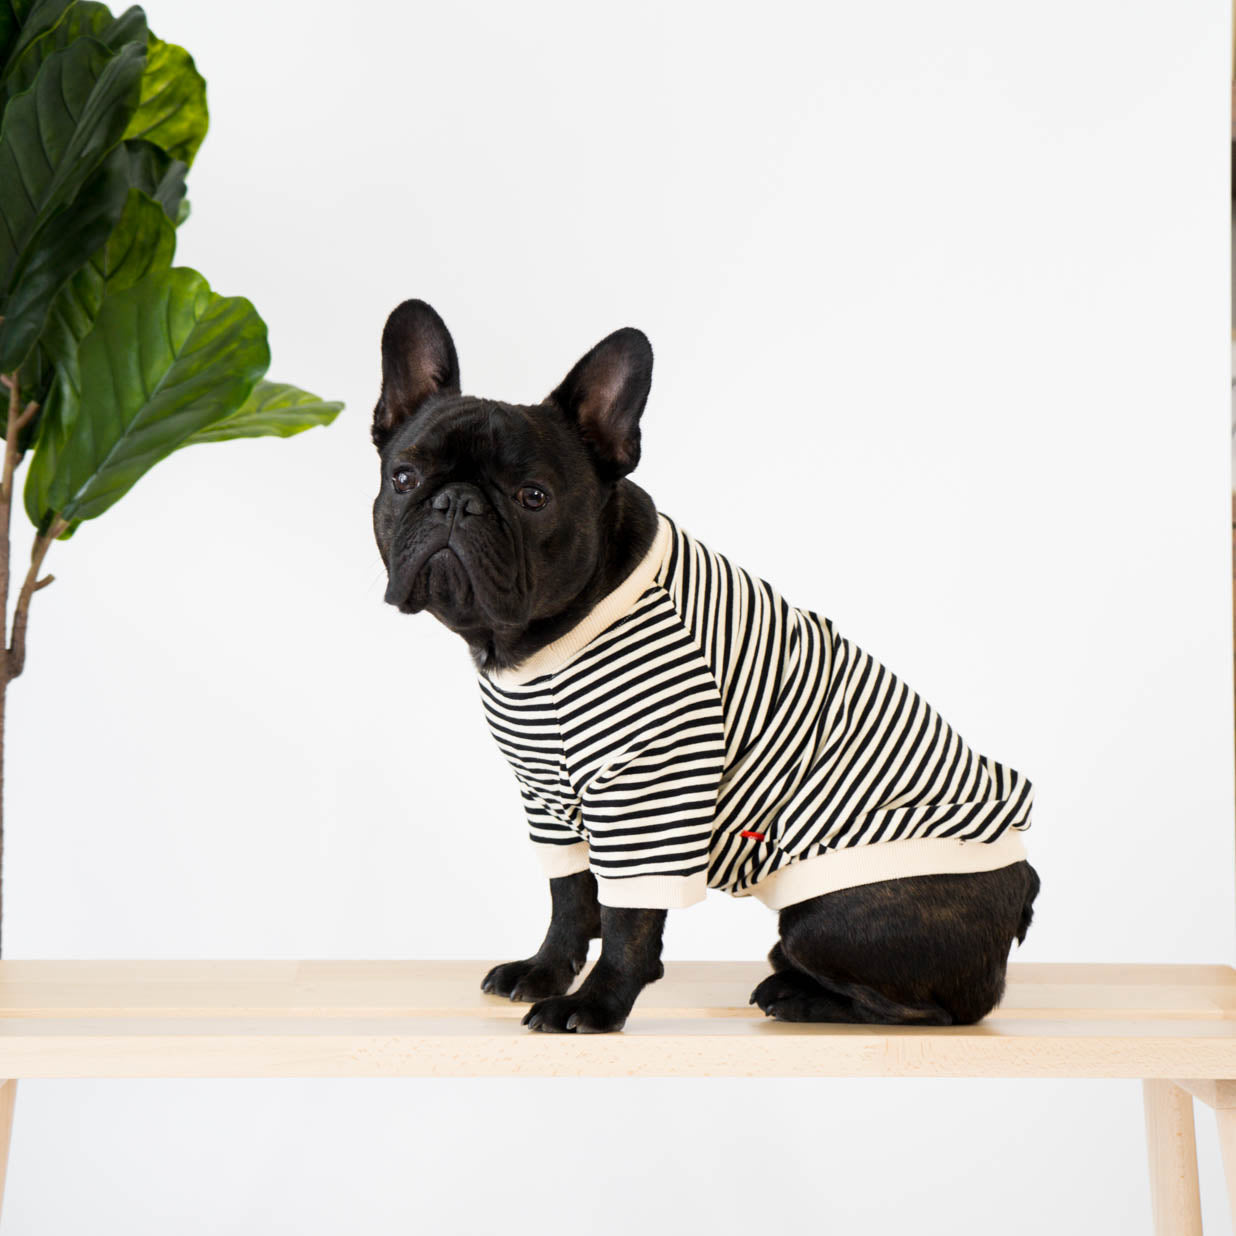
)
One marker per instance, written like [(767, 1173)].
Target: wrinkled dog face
[(489, 513)]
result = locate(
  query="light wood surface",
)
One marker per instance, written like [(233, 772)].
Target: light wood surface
[(1174, 1197), (692, 989), (1217, 1094), (395, 1018), (1221, 1095), (1225, 1118), (8, 1098)]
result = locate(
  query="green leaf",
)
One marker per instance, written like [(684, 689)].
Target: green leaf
[(53, 139), (30, 22), (129, 27), (56, 135), (138, 242), (52, 430), (164, 359), (156, 173), (143, 240), (272, 409), (56, 252), (172, 112), (10, 23), (86, 17)]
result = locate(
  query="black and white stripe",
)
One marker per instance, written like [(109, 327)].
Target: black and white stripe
[(712, 707)]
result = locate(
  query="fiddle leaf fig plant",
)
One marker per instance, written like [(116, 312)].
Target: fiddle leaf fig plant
[(111, 357)]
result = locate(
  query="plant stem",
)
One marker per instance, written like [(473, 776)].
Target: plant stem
[(13, 651), (6, 506), (15, 654)]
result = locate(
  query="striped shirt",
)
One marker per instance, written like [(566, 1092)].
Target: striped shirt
[(695, 731)]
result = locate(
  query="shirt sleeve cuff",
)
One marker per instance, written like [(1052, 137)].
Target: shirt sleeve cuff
[(562, 860), (652, 892)]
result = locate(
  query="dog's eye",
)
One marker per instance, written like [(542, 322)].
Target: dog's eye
[(533, 497), (404, 479)]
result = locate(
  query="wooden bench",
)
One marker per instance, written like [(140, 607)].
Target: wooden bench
[(1171, 1026)]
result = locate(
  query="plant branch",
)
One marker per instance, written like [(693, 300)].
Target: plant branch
[(15, 658), (10, 448), (13, 648), (6, 507)]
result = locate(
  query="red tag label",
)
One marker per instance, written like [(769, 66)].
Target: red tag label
[(746, 832)]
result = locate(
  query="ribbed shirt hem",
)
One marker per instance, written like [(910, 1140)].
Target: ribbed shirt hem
[(884, 860), (652, 892), (607, 611), (562, 860), (801, 880)]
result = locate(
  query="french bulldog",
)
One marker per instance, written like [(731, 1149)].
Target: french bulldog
[(519, 528)]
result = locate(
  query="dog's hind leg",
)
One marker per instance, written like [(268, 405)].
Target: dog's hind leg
[(791, 994), (853, 1003), (922, 950)]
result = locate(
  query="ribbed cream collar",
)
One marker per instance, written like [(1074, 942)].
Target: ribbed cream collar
[(607, 610)]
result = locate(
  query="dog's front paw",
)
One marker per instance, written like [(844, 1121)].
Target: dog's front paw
[(579, 1013), (531, 979)]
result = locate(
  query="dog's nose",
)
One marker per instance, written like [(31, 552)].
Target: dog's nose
[(462, 499)]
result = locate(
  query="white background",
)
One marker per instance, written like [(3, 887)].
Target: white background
[(938, 295)]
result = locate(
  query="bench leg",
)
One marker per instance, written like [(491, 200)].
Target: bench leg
[(1225, 1117), (1173, 1160), (8, 1097), (1221, 1095)]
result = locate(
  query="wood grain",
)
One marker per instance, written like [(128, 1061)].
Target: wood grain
[(8, 1099), (1172, 1151), (690, 989), (396, 1018)]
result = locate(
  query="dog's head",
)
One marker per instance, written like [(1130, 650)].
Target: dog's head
[(491, 515)]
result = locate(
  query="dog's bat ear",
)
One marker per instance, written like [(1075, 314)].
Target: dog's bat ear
[(605, 395), (418, 360)]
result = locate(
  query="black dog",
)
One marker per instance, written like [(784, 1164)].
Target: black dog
[(675, 725)]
